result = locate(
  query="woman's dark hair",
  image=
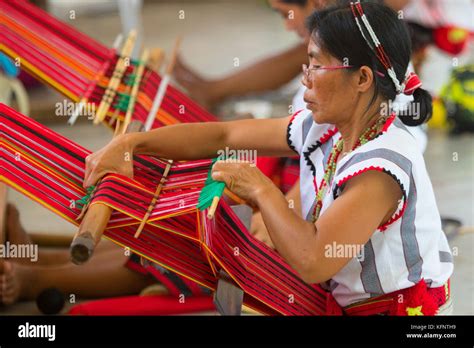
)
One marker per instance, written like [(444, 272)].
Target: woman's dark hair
[(334, 30)]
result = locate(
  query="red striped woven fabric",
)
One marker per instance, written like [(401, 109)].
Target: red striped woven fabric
[(80, 67), (49, 168)]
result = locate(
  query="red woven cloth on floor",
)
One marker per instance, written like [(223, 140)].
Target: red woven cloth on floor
[(145, 305)]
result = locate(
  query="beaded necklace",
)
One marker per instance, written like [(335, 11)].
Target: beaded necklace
[(369, 134)]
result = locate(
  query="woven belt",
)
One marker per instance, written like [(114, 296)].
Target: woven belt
[(416, 300)]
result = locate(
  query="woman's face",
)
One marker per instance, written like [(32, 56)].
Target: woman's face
[(294, 16), (330, 94)]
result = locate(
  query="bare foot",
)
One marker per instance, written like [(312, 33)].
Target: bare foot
[(15, 233), (14, 280)]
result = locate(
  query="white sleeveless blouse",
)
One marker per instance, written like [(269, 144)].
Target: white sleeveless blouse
[(412, 245)]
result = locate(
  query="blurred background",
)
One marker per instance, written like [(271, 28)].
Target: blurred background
[(221, 37)]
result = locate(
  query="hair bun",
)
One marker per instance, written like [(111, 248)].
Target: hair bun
[(419, 110)]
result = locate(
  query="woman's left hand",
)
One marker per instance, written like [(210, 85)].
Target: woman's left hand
[(242, 178)]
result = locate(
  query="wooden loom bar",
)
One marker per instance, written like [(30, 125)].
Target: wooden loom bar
[(94, 222), (97, 216), (114, 81), (135, 88)]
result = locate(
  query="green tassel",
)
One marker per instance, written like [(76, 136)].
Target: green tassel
[(122, 102), (130, 79), (211, 189), (80, 203)]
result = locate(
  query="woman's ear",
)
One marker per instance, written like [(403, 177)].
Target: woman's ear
[(364, 78)]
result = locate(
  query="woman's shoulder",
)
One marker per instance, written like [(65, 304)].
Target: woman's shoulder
[(398, 138), (394, 152), (394, 140)]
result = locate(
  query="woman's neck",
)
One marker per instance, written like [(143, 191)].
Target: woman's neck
[(353, 127)]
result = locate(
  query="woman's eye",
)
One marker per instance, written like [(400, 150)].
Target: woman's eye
[(315, 66)]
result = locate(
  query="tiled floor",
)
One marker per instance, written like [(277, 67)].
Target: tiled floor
[(217, 32)]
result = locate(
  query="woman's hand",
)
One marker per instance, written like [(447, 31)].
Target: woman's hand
[(198, 88), (259, 230), (115, 157), (242, 178)]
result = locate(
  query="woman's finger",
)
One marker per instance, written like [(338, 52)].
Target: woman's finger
[(93, 178), (88, 171), (224, 177), (219, 176)]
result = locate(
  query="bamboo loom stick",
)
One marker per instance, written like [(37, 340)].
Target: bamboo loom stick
[(154, 200), (82, 103), (114, 81), (135, 89), (160, 93)]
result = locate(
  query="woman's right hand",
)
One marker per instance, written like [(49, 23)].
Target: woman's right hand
[(115, 157)]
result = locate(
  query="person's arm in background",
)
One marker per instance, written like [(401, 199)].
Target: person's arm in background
[(265, 75), (396, 5)]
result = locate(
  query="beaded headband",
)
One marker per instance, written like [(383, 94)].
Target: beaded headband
[(412, 81)]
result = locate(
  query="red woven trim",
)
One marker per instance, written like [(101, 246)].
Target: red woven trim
[(350, 176), (294, 115), (328, 135), (376, 306), (394, 218), (389, 122), (397, 214), (430, 298)]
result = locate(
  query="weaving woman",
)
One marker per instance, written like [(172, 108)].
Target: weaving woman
[(363, 179)]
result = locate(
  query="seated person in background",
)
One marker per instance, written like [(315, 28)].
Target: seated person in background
[(269, 73), (110, 272)]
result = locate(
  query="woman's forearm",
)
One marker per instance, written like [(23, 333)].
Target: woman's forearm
[(293, 238), (192, 141), (266, 75), (180, 142)]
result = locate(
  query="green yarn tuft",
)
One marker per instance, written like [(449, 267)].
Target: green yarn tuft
[(122, 102), (80, 203), (211, 189)]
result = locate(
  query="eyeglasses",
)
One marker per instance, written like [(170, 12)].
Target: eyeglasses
[(307, 70)]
